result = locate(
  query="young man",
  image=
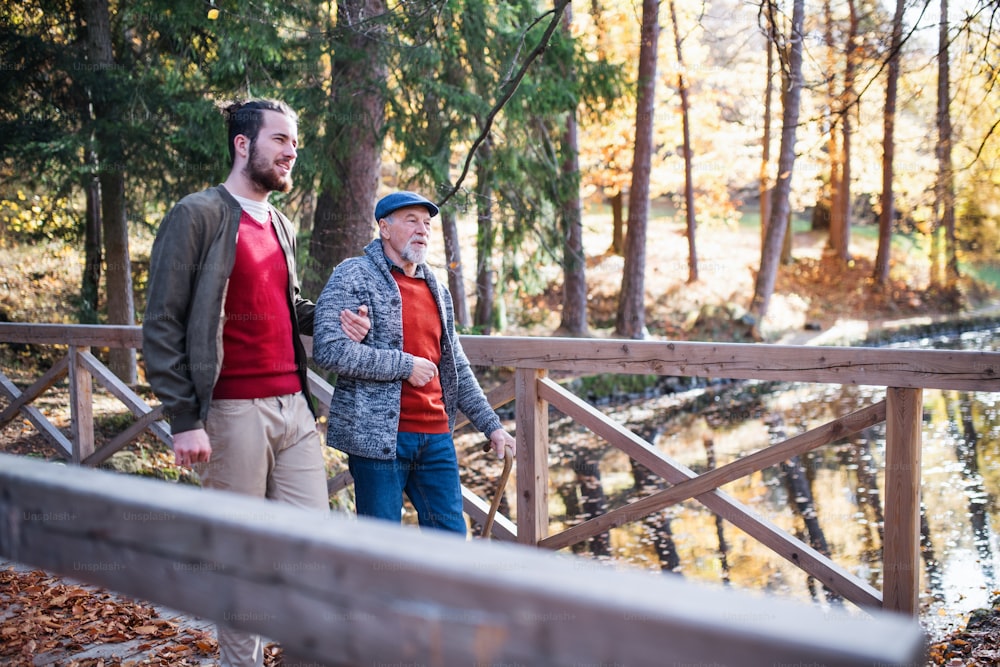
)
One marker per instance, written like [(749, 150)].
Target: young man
[(399, 390), (221, 332)]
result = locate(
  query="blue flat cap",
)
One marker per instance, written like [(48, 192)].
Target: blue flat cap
[(397, 200)]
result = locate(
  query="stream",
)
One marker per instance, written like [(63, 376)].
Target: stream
[(830, 498)]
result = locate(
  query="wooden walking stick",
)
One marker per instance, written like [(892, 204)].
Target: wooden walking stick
[(508, 461)]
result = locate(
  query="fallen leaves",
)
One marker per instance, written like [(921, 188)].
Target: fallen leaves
[(45, 620), (977, 645)]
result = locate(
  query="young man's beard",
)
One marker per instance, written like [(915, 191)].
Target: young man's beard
[(262, 173)]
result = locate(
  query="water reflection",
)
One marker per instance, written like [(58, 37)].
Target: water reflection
[(830, 498)]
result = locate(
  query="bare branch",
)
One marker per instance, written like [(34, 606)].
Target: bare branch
[(509, 90)]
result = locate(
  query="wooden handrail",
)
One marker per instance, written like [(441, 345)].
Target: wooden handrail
[(337, 591), (965, 370), (903, 372)]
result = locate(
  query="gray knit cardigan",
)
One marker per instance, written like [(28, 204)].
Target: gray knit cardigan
[(364, 411)]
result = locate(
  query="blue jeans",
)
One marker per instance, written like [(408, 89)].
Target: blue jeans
[(425, 468)]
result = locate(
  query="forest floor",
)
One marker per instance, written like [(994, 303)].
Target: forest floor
[(49, 620)]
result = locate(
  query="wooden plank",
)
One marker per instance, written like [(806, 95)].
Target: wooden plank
[(478, 509), (746, 465), (496, 397), (474, 506), (74, 335), (779, 541), (901, 552), (933, 369), (38, 419), (339, 482), (532, 436), (125, 437), (81, 404), (321, 390), (38, 387), (336, 591), (136, 405), (966, 370)]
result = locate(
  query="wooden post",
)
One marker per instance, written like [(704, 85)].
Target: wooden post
[(532, 418), (81, 403), (901, 551)]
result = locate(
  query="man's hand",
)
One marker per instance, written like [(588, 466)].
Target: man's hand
[(356, 325), (500, 440), (192, 447), (424, 370)]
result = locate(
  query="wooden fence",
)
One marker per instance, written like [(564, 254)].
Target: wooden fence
[(903, 373)]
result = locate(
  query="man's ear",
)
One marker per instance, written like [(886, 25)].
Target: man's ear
[(242, 144)]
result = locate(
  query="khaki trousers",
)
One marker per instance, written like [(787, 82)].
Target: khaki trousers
[(267, 448)]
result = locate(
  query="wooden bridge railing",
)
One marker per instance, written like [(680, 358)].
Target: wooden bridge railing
[(337, 591), (904, 374)]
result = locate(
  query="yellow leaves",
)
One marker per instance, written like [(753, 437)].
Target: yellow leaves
[(36, 215)]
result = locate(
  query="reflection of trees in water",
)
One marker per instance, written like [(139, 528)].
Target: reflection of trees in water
[(932, 566), (860, 459), (582, 491), (798, 484), (842, 514), (720, 533), (967, 453)]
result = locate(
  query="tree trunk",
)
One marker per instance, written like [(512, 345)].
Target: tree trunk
[(836, 191), (343, 223), (121, 301), (842, 243), (774, 235), (453, 256), (574, 297), (114, 218), (92, 253), (944, 264), (631, 303), (485, 237), (688, 153), (764, 187), (888, 213)]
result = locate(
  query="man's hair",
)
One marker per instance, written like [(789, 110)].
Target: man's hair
[(247, 118)]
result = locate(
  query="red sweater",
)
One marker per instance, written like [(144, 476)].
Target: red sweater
[(258, 353), (421, 409)]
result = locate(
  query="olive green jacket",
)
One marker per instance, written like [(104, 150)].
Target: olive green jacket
[(191, 260)]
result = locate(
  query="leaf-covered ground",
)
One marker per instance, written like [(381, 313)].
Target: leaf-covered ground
[(47, 620), (977, 645)]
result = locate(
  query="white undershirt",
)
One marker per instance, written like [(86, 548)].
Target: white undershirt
[(258, 210)]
